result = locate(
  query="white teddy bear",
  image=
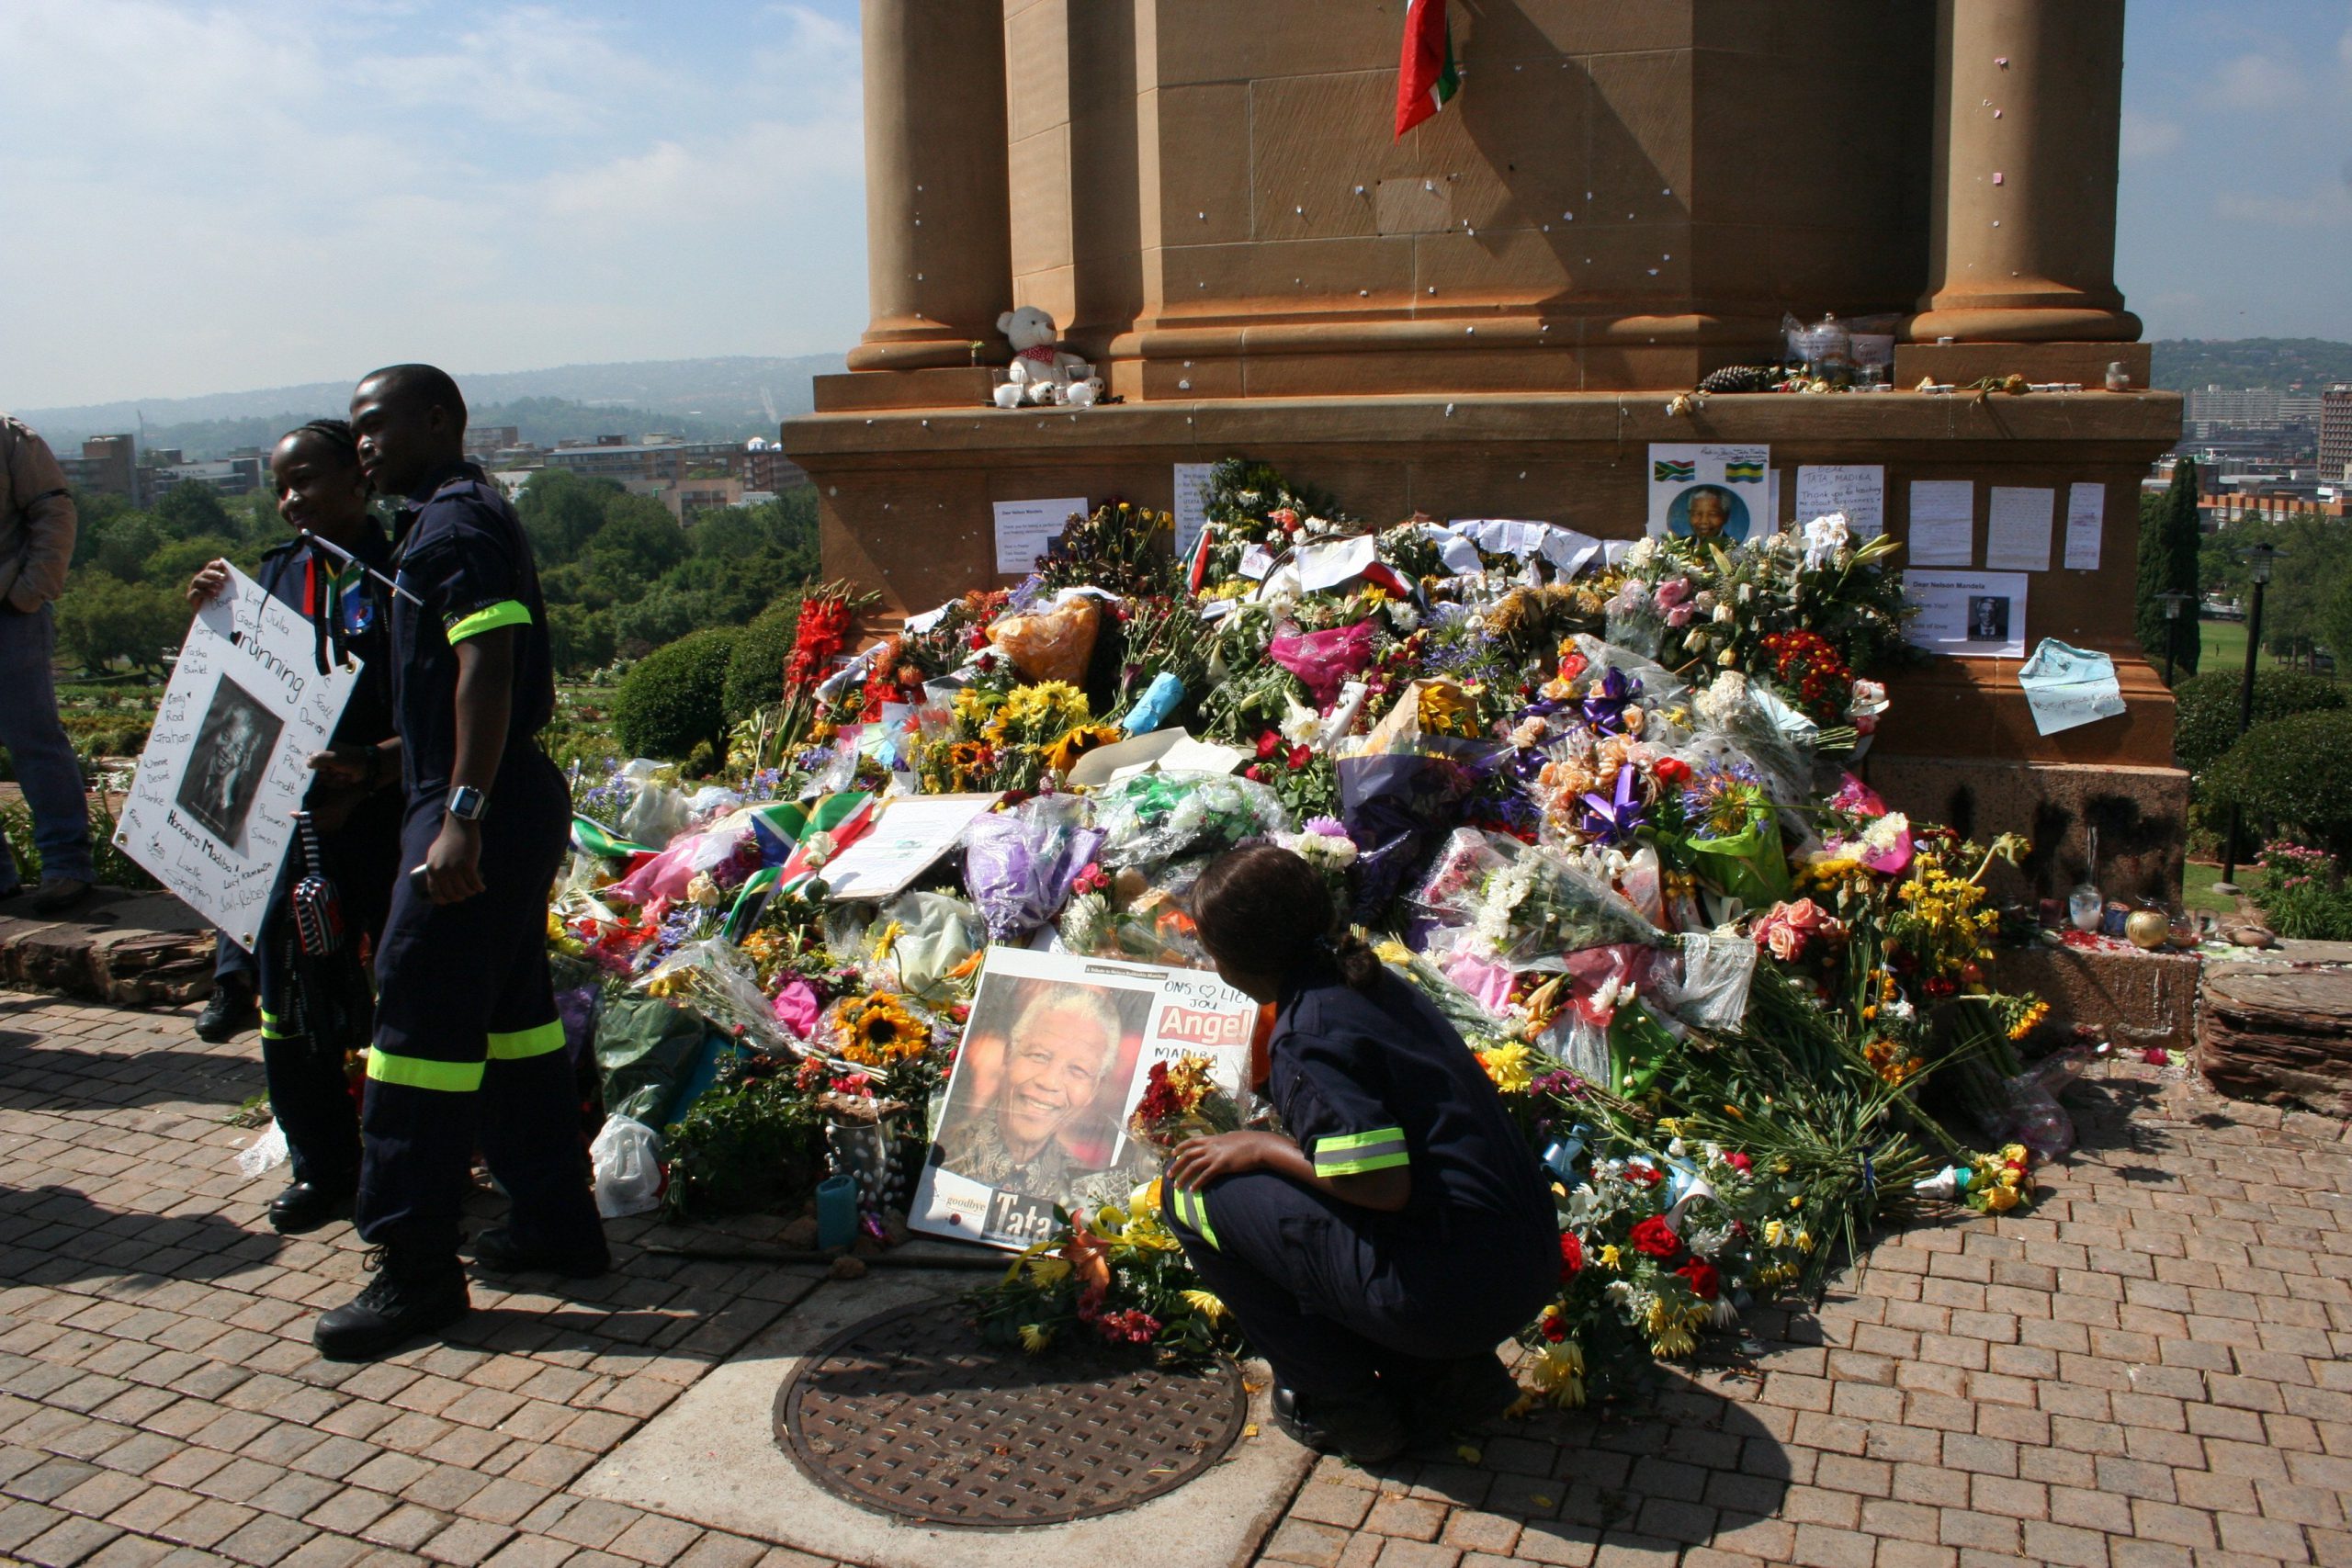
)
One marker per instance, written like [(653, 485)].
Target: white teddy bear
[(1043, 373)]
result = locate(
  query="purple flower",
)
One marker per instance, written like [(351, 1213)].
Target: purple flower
[(1604, 709), (1328, 827), (1616, 818)]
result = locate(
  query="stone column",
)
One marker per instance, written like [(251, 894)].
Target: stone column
[(938, 239), (2028, 111)]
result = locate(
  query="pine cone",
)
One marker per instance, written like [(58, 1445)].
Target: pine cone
[(1742, 379)]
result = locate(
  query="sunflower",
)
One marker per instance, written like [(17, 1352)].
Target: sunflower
[(877, 1032), (1445, 709), (1076, 742)]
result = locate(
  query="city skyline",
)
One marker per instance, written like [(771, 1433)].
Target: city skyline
[(531, 186)]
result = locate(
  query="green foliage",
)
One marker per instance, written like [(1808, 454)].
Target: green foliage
[(755, 671), (562, 511), (192, 507), (752, 1144), (2291, 776), (673, 698), (2309, 584), (2205, 720), (103, 619), (115, 869), (2169, 547), (2302, 891)]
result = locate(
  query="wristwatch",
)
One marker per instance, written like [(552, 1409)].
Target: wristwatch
[(467, 804)]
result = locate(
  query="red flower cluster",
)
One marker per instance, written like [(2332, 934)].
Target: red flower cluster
[(1571, 1256), (1671, 773), (1161, 1101), (1810, 670), (1739, 1162), (1704, 1282), (1656, 1238), (823, 632), (1133, 1327)]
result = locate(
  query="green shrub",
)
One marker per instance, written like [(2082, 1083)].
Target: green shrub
[(756, 675), (2302, 892), (2291, 777), (673, 699), (2206, 722)]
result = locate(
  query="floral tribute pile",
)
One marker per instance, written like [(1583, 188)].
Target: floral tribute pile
[(1594, 800)]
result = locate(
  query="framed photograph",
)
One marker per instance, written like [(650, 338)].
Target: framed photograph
[(1056, 1053)]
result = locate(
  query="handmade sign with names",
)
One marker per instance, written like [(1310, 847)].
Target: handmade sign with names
[(1057, 1051), (211, 810)]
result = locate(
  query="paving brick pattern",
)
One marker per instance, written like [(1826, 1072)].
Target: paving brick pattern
[(2153, 1367)]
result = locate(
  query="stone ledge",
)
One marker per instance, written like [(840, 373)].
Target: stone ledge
[(130, 949), (2139, 999), (2280, 1033)]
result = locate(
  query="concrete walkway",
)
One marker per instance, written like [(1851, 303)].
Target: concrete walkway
[(2153, 1367)]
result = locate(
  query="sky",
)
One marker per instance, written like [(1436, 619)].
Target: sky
[(256, 193)]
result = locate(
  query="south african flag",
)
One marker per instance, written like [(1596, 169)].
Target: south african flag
[(1666, 470), (1743, 473)]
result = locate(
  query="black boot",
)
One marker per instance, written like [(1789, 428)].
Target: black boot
[(306, 1205), (230, 1013), (1365, 1429), (497, 1251), (408, 1297), (1462, 1393)]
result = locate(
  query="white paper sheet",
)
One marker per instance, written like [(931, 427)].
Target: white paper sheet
[(1191, 508), (2017, 528), (2067, 687), (2086, 522), (1024, 529), (1943, 523), (1736, 483), (211, 808), (1857, 490), (1174, 749), (911, 831), (1970, 613), (1256, 561), (1335, 561)]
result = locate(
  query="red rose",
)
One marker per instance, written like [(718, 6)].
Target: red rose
[(1670, 770), (1553, 1328), (1268, 744), (1704, 1283), (1254, 773), (1298, 757), (1739, 1162), (1656, 1238), (1571, 1255), (1647, 1175)]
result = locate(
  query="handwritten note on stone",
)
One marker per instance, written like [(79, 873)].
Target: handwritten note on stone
[(211, 808)]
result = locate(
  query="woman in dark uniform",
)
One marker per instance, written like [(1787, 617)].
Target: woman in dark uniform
[(1377, 1251)]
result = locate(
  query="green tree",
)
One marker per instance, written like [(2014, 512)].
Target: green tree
[(126, 544), (2169, 544), (755, 673), (639, 542), (102, 620), (192, 507), (675, 698), (562, 511)]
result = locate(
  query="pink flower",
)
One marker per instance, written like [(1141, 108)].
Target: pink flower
[(796, 1008), (1673, 591), (1787, 930), (1679, 617)]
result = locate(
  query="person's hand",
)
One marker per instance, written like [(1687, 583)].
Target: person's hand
[(1199, 1161), (206, 585), (453, 865), (345, 767)]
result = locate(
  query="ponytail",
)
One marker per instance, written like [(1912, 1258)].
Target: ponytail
[(1358, 966)]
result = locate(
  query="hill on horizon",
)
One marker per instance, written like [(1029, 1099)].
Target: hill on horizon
[(2273, 363), (723, 398)]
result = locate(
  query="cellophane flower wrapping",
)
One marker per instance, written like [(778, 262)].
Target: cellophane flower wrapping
[(1323, 660), (1154, 818), (1053, 641), (1522, 907), (1018, 865)]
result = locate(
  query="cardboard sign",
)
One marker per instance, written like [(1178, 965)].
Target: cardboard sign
[(1056, 1054), (211, 810)]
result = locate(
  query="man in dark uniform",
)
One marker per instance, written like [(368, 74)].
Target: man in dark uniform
[(468, 1045), (312, 1007)]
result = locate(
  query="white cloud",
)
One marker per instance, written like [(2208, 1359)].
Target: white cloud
[(2145, 136), (2255, 82), (2329, 207)]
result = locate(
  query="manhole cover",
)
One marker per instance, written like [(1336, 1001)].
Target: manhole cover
[(911, 1413)]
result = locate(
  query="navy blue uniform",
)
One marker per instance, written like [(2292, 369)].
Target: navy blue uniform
[(1330, 1293), (469, 1046), (309, 1093)]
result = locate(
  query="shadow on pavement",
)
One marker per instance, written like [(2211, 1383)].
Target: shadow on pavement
[(54, 1236)]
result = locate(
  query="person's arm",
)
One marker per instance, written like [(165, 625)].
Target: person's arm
[(485, 702), (50, 523), (1200, 1161)]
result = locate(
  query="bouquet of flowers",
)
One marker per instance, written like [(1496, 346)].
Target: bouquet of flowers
[(1115, 1275), (1182, 1100)]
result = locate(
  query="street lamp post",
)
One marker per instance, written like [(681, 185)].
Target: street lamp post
[(2173, 601), (2259, 557)]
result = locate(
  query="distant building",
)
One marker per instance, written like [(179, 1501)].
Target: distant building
[(686, 497), (109, 466), (766, 468), (613, 459), (226, 477), (488, 440), (2336, 433)]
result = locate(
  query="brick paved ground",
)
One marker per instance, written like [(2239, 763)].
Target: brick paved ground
[(2154, 1368)]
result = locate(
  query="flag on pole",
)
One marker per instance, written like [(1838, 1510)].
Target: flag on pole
[(1425, 79), (1198, 567)]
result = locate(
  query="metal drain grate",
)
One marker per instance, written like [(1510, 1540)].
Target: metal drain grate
[(911, 1413)]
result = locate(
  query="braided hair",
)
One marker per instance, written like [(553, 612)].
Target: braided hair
[(1263, 908), (329, 644), (337, 434)]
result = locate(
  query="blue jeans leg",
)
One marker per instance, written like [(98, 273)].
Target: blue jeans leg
[(47, 769)]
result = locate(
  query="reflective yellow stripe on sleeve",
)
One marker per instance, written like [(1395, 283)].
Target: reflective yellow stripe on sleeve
[(1193, 1208), (273, 1027), (1352, 1154), (525, 1042), (417, 1072), (506, 612)]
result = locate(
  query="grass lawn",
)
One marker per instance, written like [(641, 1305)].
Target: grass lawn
[(2197, 889), (2222, 647)]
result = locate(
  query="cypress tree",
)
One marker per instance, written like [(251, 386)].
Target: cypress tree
[(2168, 550)]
